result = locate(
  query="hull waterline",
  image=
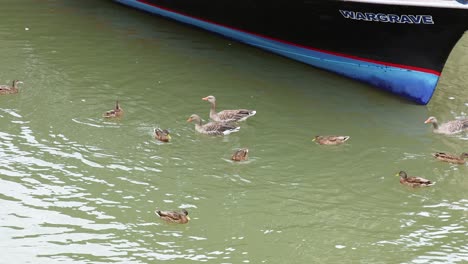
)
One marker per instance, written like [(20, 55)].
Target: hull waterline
[(404, 56)]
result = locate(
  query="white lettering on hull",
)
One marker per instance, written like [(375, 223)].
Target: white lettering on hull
[(387, 18)]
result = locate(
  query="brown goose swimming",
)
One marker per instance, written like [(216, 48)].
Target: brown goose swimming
[(413, 181), (174, 216), (447, 157), (450, 127), (116, 112), (162, 135), (212, 128), (330, 140), (7, 89), (240, 154), (227, 115)]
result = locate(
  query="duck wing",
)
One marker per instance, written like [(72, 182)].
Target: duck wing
[(465, 123), (338, 139), (110, 113), (170, 215), (240, 154), (442, 155), (235, 115), (418, 181), (331, 140), (162, 135), (454, 126), (218, 128), (448, 157)]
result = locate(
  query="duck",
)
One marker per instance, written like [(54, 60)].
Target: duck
[(7, 89), (330, 140), (227, 115), (450, 127), (116, 112), (162, 135), (447, 157), (413, 181), (240, 154), (174, 216), (212, 128)]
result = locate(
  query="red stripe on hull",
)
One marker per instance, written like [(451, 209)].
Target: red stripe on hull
[(412, 68)]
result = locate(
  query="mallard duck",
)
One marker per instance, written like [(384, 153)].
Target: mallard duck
[(330, 140), (450, 127), (447, 157), (240, 154), (413, 181), (7, 89), (227, 115), (174, 216), (212, 128), (162, 135), (116, 112)]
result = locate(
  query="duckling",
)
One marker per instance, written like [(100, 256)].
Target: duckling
[(162, 135), (240, 154), (116, 112), (174, 216), (447, 157), (7, 89), (330, 140), (413, 181)]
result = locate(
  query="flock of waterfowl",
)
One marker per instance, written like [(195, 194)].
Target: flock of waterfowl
[(223, 123), (226, 122), (447, 128)]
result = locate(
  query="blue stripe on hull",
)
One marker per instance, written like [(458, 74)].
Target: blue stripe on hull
[(415, 85)]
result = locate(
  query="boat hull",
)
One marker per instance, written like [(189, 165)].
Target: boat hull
[(401, 49)]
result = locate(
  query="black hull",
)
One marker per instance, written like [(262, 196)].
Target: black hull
[(421, 44)]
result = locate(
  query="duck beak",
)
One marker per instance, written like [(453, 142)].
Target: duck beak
[(205, 98), (427, 121), (189, 119), (188, 217), (313, 139), (397, 174), (169, 136)]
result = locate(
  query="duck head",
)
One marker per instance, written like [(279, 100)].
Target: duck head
[(210, 98), (402, 174), (431, 119)]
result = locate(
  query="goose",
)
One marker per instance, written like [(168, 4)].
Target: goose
[(447, 157), (212, 128), (413, 181), (116, 112), (162, 135), (450, 127), (330, 140), (227, 115), (7, 89), (174, 216), (240, 154)]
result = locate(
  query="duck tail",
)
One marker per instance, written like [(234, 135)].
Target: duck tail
[(229, 131)]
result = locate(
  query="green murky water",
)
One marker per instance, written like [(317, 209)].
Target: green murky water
[(75, 188)]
